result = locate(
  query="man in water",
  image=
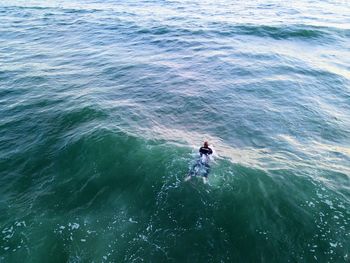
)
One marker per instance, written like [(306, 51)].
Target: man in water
[(203, 161)]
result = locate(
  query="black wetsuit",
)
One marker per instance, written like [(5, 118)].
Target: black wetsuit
[(202, 151), (205, 150)]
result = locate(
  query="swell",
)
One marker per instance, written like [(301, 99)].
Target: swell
[(303, 32), (78, 181), (280, 32), (128, 194), (211, 29), (33, 8)]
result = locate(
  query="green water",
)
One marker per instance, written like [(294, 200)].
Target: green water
[(104, 105)]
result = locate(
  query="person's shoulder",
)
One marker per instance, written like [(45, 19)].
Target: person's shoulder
[(205, 150)]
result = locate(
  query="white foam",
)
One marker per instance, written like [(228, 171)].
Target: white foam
[(8, 236), (74, 225), (333, 244), (22, 223), (328, 202), (7, 230), (132, 221), (311, 204)]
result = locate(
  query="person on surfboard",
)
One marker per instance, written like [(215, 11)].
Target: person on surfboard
[(205, 151)]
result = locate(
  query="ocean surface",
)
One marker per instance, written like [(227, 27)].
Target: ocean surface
[(104, 104)]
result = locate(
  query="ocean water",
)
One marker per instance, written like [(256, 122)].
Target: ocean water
[(104, 104)]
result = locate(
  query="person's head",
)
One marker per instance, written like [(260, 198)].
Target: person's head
[(206, 144)]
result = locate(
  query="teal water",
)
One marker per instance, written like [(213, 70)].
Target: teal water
[(104, 104)]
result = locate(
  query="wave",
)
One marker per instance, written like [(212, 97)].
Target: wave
[(211, 29), (111, 186), (46, 8), (280, 32)]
